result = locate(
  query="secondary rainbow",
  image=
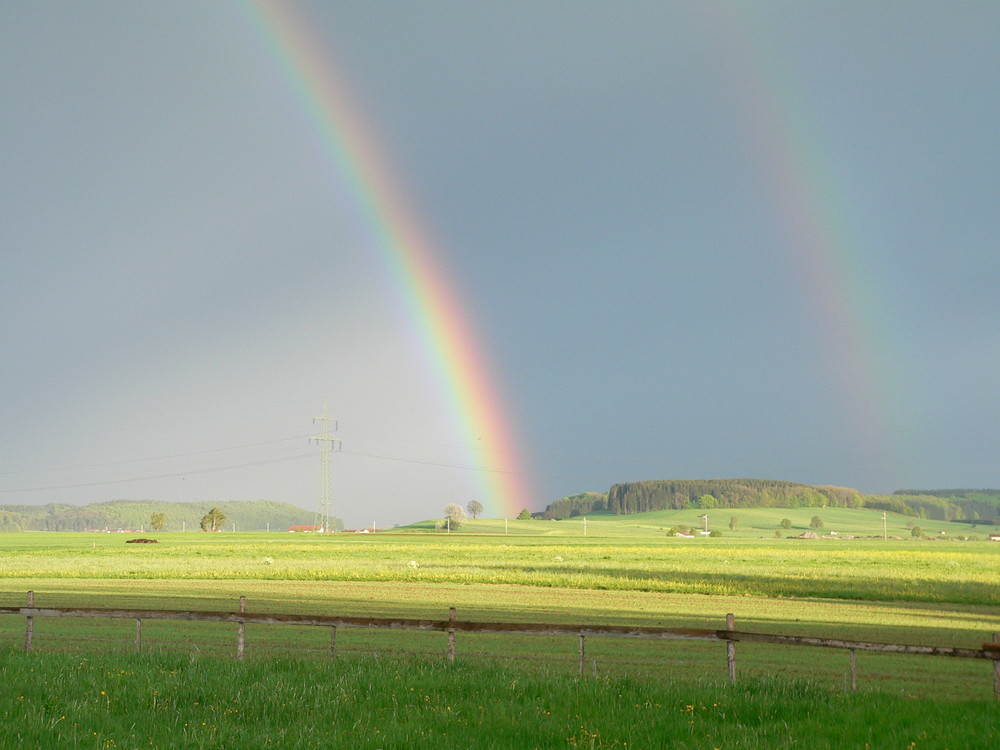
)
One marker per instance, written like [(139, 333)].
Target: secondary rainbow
[(431, 298), (824, 245)]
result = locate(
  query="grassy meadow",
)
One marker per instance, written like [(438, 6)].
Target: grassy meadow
[(165, 701), (937, 590)]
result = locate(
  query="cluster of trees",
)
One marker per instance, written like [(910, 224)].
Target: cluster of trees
[(211, 521), (455, 515), (576, 505), (10, 522), (970, 506), (640, 497)]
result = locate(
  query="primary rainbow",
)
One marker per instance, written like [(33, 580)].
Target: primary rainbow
[(430, 297)]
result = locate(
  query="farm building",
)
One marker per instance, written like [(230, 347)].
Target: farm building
[(305, 529)]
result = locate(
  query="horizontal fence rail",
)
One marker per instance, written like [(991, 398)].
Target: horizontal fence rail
[(987, 652), (730, 636)]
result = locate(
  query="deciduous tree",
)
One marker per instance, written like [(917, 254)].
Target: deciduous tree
[(454, 514), (213, 520)]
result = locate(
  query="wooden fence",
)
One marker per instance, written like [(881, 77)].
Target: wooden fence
[(452, 626)]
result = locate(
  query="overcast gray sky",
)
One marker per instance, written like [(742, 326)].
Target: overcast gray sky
[(693, 240)]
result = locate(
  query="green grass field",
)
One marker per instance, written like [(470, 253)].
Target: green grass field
[(102, 701), (626, 570)]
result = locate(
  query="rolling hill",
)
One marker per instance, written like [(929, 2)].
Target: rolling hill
[(246, 515), (968, 506)]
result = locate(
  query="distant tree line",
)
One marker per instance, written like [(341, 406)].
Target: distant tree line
[(641, 497), (247, 515), (970, 506)]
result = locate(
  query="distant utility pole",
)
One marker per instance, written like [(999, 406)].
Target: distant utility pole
[(327, 443)]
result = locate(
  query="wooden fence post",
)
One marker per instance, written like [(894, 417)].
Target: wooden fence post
[(333, 641), (29, 624), (138, 635), (240, 638), (854, 670), (451, 636), (731, 647), (996, 670), (583, 652)]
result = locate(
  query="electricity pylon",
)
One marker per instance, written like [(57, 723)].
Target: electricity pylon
[(327, 444)]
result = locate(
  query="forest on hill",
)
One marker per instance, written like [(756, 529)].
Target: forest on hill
[(114, 515), (972, 506)]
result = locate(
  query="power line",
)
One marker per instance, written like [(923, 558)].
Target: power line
[(155, 458), (160, 476), (433, 463)]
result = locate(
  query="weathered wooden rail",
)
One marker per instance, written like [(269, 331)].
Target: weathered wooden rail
[(989, 650)]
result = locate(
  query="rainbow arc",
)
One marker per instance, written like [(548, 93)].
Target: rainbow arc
[(433, 304)]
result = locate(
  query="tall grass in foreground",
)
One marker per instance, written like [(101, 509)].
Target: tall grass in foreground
[(164, 701)]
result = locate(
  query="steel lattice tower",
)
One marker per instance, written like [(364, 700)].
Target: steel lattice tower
[(327, 443)]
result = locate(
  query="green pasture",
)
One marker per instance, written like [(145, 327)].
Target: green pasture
[(751, 523), (173, 700), (929, 592)]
